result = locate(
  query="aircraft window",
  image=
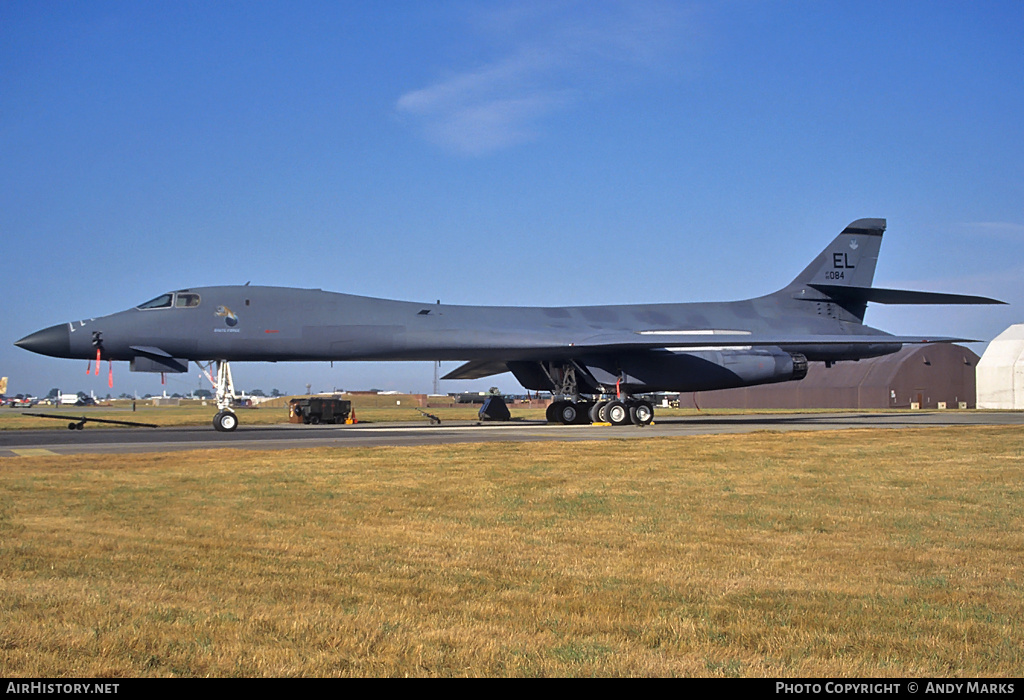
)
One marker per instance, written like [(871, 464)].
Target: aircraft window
[(161, 302), (187, 301)]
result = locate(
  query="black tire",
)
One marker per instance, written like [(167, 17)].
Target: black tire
[(585, 407), (569, 413), (617, 413), (225, 421), (595, 412), (553, 410), (641, 413)]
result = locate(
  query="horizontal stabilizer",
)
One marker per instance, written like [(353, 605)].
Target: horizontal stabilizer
[(897, 296)]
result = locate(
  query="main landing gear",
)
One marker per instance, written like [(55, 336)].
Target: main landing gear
[(581, 400), (618, 411)]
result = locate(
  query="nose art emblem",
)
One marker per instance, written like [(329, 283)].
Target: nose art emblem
[(228, 315)]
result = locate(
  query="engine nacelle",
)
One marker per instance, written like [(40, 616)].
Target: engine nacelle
[(703, 369)]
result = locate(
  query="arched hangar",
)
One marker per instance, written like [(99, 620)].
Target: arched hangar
[(1001, 371), (926, 376)]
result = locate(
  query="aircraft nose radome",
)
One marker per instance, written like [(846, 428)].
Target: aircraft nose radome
[(54, 341)]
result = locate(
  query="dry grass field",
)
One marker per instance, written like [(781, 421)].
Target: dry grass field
[(851, 553), (203, 415)]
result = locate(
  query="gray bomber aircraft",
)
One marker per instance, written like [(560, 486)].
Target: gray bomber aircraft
[(597, 361)]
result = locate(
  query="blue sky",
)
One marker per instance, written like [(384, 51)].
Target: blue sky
[(521, 153)]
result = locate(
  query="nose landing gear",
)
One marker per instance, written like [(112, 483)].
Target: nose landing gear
[(225, 421)]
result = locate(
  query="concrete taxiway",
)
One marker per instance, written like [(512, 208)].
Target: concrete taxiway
[(94, 440)]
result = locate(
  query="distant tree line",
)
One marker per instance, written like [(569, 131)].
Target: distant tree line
[(55, 393)]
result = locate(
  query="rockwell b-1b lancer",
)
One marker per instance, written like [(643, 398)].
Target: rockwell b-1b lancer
[(597, 361)]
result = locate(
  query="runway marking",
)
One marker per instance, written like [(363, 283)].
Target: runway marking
[(370, 429), (433, 428), (69, 443)]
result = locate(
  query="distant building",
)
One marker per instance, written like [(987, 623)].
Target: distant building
[(1001, 371), (923, 375)]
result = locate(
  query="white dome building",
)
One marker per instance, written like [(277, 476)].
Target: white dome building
[(1000, 375)]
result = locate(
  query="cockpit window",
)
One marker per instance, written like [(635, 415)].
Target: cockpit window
[(186, 301), (161, 302)]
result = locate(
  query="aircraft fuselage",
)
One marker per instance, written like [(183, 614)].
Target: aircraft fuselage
[(251, 324)]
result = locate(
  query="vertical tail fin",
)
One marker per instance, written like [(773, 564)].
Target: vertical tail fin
[(849, 260)]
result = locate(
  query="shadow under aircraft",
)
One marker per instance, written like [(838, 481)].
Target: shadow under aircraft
[(598, 362)]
